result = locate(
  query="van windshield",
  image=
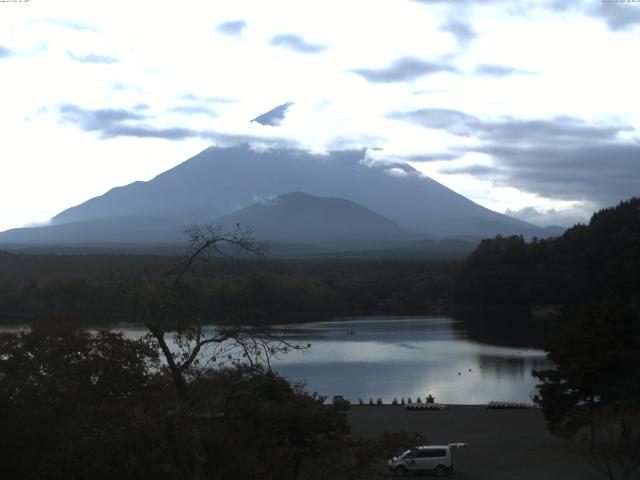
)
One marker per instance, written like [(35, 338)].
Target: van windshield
[(405, 454)]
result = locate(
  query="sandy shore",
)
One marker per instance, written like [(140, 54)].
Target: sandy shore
[(503, 444)]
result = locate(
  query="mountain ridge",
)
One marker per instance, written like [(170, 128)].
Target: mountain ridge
[(221, 181)]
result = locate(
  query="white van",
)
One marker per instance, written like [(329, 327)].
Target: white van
[(425, 458)]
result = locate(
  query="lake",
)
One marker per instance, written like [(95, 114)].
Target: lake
[(391, 357), (458, 362)]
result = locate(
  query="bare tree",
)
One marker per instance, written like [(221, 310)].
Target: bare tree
[(188, 348), (612, 443), (177, 329)]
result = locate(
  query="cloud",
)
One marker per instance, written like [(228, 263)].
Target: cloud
[(174, 133), (111, 123), (194, 110), (296, 43), (5, 52), (565, 217), (431, 157), (253, 141), (453, 121), (403, 70), (562, 157), (198, 98), (617, 15), (509, 130), (354, 142), (233, 27), (480, 171), (73, 25), (462, 31), (392, 167), (96, 119), (275, 116), (459, 2), (93, 58), (499, 70), (601, 173)]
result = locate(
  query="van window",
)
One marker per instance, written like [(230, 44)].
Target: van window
[(432, 453)]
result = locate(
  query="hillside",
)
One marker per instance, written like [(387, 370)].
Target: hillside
[(597, 261), (307, 218)]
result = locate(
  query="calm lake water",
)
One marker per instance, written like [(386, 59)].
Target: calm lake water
[(391, 357), (409, 357)]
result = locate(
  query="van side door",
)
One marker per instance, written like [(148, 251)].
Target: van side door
[(423, 460)]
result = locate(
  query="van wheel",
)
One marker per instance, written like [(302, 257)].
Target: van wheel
[(401, 471), (441, 471)]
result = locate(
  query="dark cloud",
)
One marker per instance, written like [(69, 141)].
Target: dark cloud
[(194, 110), (601, 173), (275, 116), (112, 123), (141, 131), (296, 42), (431, 157), (480, 171), (462, 31), (233, 27), (561, 157), (96, 120), (499, 70), (617, 15), (454, 121), (561, 5), (92, 58), (5, 52), (507, 129), (403, 70)]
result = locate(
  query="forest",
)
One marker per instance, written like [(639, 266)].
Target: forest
[(245, 290)]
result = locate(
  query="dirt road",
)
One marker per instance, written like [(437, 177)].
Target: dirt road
[(503, 444)]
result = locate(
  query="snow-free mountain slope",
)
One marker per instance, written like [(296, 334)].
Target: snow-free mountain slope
[(227, 179), (301, 217)]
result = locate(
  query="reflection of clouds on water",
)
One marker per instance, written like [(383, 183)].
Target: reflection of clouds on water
[(403, 357), (408, 358), (386, 329), (409, 346), (515, 365)]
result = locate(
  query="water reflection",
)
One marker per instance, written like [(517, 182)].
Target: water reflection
[(512, 366), (408, 357)]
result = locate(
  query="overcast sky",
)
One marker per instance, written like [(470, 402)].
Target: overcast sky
[(529, 108)]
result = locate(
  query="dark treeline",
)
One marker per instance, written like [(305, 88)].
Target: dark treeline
[(591, 262), (588, 283), (591, 275), (247, 290)]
